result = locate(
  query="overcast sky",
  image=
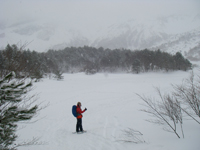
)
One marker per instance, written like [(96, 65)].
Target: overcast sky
[(88, 12)]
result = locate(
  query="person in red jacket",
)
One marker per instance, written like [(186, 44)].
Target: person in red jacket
[(79, 127)]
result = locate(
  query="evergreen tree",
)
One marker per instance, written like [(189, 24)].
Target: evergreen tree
[(136, 66), (179, 59), (13, 108)]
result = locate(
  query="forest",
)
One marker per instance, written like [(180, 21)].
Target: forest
[(87, 59)]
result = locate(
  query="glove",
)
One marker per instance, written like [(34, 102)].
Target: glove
[(85, 109)]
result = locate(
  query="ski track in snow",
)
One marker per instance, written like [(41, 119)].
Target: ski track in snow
[(112, 107)]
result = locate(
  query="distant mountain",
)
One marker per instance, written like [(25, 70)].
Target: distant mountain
[(171, 34), (187, 43), (132, 34)]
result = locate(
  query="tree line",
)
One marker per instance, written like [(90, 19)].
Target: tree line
[(87, 59)]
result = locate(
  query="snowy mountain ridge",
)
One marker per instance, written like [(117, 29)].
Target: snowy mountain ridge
[(171, 34), (184, 43)]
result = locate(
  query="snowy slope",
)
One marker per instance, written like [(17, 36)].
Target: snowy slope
[(133, 34), (112, 107), (168, 33), (183, 43), (39, 35)]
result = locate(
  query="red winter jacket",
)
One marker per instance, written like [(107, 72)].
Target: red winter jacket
[(79, 112)]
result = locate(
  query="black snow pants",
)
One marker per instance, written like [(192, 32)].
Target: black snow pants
[(79, 125)]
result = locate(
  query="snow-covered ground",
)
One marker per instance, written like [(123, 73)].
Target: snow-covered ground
[(113, 107)]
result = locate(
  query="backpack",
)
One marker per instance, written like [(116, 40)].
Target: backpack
[(74, 110)]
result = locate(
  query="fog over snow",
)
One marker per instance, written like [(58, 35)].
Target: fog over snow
[(46, 23)]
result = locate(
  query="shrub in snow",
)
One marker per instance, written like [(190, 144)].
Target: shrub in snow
[(58, 75), (167, 112), (189, 94), (14, 107), (131, 135), (37, 75), (90, 71)]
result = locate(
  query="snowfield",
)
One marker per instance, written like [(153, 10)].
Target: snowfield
[(113, 107)]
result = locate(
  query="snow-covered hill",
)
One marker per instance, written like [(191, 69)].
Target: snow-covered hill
[(170, 33), (187, 43)]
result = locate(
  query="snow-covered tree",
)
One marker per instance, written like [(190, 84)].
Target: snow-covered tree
[(14, 107)]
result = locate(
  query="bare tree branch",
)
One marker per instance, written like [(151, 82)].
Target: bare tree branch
[(162, 111)]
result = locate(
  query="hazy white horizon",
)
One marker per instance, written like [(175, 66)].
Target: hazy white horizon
[(91, 12)]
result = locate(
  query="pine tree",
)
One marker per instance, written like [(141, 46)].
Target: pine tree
[(13, 108), (136, 66)]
